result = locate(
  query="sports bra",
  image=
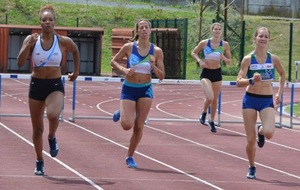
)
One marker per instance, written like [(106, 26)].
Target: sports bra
[(46, 58), (140, 64), (213, 54), (266, 70)]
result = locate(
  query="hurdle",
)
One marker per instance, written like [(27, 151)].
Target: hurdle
[(118, 79), (155, 81), (291, 115), (22, 76), (11, 76), (281, 106), (89, 78)]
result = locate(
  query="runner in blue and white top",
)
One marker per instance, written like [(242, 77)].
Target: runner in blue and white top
[(144, 59), (214, 51), (266, 69), (46, 58), (256, 74)]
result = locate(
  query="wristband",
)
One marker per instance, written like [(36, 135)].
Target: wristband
[(251, 81)]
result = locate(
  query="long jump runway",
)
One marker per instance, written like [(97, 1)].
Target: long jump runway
[(176, 151)]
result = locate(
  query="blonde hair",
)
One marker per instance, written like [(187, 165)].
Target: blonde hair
[(47, 8), (215, 24)]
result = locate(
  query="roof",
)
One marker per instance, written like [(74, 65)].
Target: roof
[(72, 31)]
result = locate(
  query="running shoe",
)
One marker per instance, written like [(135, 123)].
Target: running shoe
[(53, 147), (260, 138), (39, 167), (116, 116), (251, 172), (212, 127), (130, 163), (202, 118)]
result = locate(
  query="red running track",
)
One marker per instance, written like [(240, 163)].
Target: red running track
[(176, 151)]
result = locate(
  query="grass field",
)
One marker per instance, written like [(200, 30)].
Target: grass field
[(26, 12), (296, 110)]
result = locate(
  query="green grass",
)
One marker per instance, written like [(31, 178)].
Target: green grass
[(296, 109), (89, 15)]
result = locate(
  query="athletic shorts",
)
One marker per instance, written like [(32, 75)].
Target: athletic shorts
[(131, 91), (257, 102), (214, 75), (40, 88)]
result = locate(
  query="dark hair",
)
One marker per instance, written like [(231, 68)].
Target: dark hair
[(47, 8), (136, 36)]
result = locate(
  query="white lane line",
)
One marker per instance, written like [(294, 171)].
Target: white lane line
[(57, 160), (148, 157), (232, 155), (220, 151), (226, 153), (207, 146), (228, 114)]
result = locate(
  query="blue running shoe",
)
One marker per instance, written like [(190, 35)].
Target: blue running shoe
[(260, 138), (251, 172), (130, 163), (53, 147), (116, 116), (39, 167)]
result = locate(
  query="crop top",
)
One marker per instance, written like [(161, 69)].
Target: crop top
[(213, 54), (46, 58), (140, 64), (266, 70)]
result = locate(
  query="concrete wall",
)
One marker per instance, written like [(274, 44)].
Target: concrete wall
[(281, 8)]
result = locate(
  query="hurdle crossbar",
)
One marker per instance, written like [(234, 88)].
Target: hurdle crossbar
[(154, 81)]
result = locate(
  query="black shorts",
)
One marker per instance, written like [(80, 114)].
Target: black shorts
[(214, 75), (40, 88)]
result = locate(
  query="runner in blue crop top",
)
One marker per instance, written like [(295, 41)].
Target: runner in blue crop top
[(213, 50), (257, 71), (211, 53), (144, 59), (266, 69), (140, 64)]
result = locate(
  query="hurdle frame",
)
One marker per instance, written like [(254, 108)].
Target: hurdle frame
[(155, 81)]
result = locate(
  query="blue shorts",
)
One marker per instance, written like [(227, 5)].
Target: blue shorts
[(257, 102), (131, 91), (40, 88), (214, 75)]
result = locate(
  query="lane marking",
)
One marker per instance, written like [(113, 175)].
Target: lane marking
[(226, 153), (55, 159), (146, 156)]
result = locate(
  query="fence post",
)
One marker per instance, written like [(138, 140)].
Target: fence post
[(297, 63)]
